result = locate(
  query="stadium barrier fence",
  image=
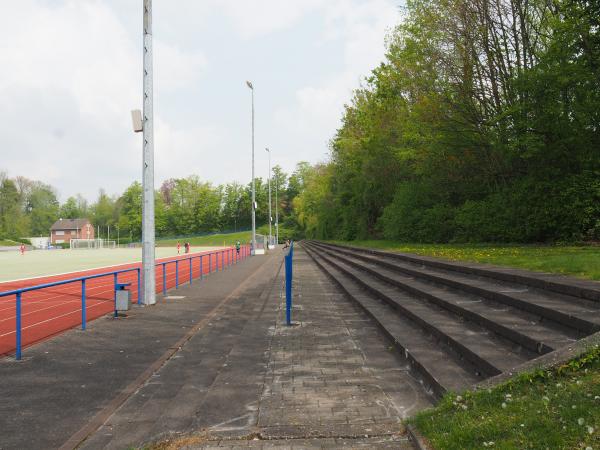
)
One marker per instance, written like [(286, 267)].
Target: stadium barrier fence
[(229, 257)]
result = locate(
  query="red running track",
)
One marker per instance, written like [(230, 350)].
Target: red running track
[(50, 311)]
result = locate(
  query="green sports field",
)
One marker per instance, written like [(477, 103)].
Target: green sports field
[(14, 266)]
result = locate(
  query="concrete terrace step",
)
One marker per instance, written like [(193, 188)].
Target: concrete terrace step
[(577, 313), (484, 350), (440, 368), (519, 326), (585, 289)]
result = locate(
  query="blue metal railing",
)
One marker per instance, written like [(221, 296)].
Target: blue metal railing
[(289, 275), (232, 258), (18, 293)]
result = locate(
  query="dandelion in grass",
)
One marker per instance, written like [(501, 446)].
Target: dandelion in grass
[(590, 430), (580, 421)]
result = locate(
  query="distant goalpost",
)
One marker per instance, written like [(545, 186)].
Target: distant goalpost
[(85, 244), (261, 241)]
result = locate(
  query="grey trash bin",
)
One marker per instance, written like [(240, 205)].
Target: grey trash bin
[(123, 297)]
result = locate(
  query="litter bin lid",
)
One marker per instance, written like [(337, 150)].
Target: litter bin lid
[(121, 286)]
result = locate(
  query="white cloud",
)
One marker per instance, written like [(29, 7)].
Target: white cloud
[(176, 68), (71, 71), (362, 27), (260, 17)]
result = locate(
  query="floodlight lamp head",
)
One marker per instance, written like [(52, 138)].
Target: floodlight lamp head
[(250, 85), (267, 149), (138, 123)]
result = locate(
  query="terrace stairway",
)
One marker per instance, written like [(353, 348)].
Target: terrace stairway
[(458, 324)]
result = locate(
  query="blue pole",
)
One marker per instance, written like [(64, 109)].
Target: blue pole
[(190, 270), (288, 290), (83, 320), (164, 278), (18, 327), (115, 289), (176, 273)]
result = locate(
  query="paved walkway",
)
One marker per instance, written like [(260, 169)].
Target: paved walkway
[(237, 377)]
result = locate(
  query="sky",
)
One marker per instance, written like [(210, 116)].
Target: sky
[(71, 72)]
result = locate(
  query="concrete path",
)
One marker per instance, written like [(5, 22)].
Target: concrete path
[(67, 385), (225, 373)]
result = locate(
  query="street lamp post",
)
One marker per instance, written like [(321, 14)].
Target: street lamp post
[(270, 215), (253, 183), (276, 212)]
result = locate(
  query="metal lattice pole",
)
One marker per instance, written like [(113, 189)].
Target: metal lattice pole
[(253, 181), (149, 293), (276, 212)]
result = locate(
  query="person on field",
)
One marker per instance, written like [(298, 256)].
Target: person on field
[(237, 247), (22, 249), (187, 247), (178, 248)]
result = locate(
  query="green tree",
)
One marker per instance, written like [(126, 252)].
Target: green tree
[(42, 207), (12, 222)]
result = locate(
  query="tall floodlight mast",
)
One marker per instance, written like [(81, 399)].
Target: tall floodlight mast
[(149, 292), (276, 212), (253, 252), (270, 214)]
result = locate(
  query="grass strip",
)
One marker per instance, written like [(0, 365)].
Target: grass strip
[(213, 240), (577, 260), (8, 243), (545, 409)]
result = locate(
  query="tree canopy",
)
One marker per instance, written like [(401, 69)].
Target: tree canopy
[(482, 124)]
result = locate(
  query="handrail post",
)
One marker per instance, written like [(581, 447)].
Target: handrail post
[(18, 327), (190, 260), (83, 318), (115, 293), (289, 275), (164, 265), (176, 274)]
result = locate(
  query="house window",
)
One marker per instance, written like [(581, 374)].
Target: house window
[(60, 233), (59, 241)]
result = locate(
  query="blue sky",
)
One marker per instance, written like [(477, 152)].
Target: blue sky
[(72, 72)]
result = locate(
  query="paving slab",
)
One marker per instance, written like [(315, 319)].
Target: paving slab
[(250, 381), (65, 383), (235, 377)]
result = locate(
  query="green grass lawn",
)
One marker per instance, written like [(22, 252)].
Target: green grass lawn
[(580, 261), (557, 409), (212, 240), (8, 243), (14, 266)]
